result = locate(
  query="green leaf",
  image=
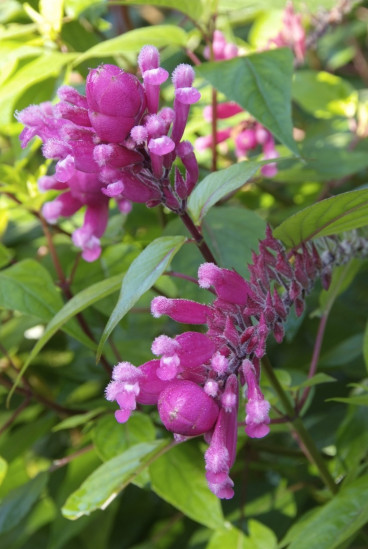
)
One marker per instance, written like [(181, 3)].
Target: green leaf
[(261, 84), (216, 186), (334, 215), (78, 303), (112, 438), (178, 477), (3, 469), (232, 234), (52, 14), (28, 288), (260, 536), (105, 483), (356, 400), (193, 8), (336, 521), (5, 255), (365, 345), (231, 537), (324, 95), (315, 380), (140, 277), (19, 502), (134, 40), (77, 420), (342, 277), (343, 352), (45, 66)]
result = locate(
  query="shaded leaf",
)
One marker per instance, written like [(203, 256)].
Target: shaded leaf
[(112, 438), (323, 94), (16, 505), (356, 400), (261, 84), (216, 186), (77, 420), (334, 215), (336, 521), (178, 477), (232, 234), (342, 277), (315, 380), (108, 480), (365, 345), (140, 277)]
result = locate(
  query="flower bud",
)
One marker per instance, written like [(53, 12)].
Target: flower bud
[(186, 409)]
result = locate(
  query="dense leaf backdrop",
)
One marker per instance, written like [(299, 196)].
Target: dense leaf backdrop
[(70, 475)]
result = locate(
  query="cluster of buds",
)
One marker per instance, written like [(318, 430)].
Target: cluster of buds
[(115, 143), (196, 378)]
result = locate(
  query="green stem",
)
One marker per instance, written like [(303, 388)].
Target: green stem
[(305, 438)]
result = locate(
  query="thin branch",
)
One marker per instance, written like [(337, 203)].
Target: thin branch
[(201, 243), (15, 414)]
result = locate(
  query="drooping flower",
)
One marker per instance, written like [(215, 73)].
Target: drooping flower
[(196, 381)]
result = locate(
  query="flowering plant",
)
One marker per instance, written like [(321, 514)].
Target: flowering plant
[(190, 208)]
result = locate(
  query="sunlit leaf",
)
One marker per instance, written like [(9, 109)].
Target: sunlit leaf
[(261, 84), (340, 213), (108, 480), (140, 277)]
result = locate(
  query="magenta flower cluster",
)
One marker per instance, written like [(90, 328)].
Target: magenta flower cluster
[(115, 143), (196, 378)]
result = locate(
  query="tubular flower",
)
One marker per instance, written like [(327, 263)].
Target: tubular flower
[(195, 383), (114, 143)]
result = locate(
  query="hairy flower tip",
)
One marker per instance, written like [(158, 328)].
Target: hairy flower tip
[(161, 145), (148, 58), (188, 95), (113, 189), (229, 398), (71, 95), (186, 409), (167, 114), (219, 364), (221, 485), (154, 125), (217, 458), (48, 182), (184, 149), (180, 310), (125, 371), (211, 388), (155, 77), (90, 246), (139, 134), (257, 418), (183, 76), (229, 285), (164, 345)]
